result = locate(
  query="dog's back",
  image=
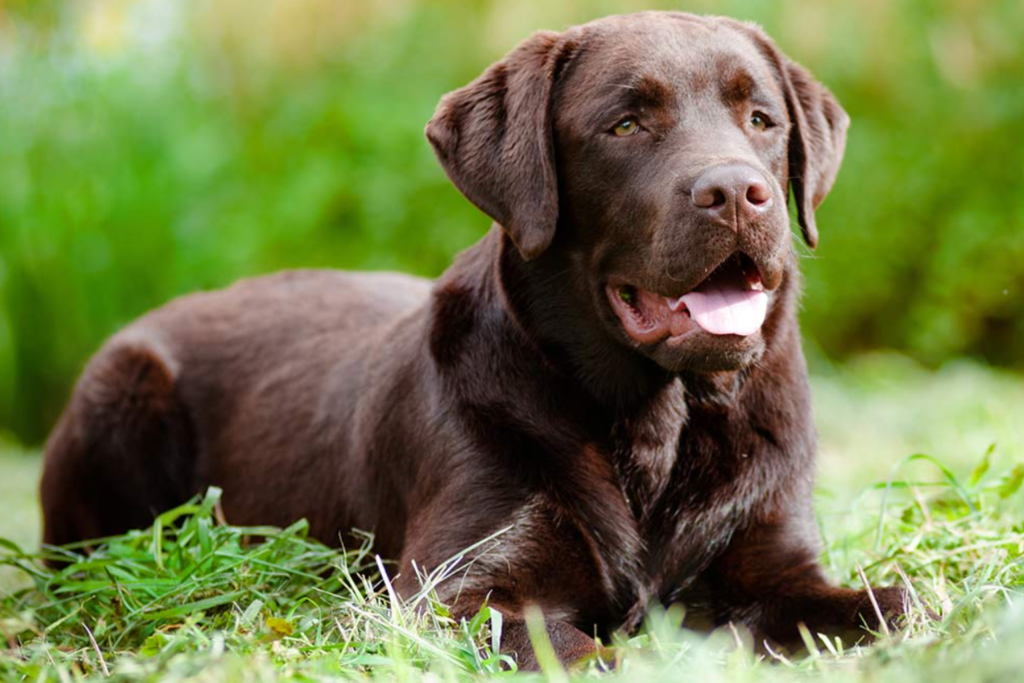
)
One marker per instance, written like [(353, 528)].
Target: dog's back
[(268, 351)]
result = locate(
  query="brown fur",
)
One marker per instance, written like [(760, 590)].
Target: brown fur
[(507, 393)]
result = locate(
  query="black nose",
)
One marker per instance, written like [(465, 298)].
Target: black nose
[(732, 195)]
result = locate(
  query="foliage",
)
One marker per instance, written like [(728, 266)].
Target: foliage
[(152, 147)]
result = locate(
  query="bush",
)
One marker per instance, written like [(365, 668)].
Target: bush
[(151, 148)]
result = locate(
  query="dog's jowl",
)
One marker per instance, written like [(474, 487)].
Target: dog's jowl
[(614, 371)]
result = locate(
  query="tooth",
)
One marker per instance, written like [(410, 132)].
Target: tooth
[(673, 303)]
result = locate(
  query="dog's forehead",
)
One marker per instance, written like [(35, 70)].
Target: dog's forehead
[(683, 52)]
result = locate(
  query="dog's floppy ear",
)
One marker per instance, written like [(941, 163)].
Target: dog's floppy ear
[(817, 140), (817, 136), (494, 140)]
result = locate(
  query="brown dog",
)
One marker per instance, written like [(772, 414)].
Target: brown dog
[(614, 371)]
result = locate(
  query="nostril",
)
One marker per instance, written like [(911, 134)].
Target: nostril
[(758, 194), (709, 197)]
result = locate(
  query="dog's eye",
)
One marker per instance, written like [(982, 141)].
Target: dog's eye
[(760, 121), (626, 127)]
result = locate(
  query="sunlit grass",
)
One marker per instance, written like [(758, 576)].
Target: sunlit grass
[(193, 597)]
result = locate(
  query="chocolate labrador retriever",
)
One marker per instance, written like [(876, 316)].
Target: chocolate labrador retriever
[(614, 372)]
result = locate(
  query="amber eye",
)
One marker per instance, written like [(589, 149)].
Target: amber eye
[(760, 121), (626, 127)]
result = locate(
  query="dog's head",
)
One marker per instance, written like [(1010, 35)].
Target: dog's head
[(656, 153)]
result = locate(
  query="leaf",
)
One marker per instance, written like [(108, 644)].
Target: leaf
[(1011, 482), (210, 500), (479, 619), (496, 626), (251, 612), (11, 545), (153, 645), (982, 467), (203, 533), (190, 608), (282, 628)]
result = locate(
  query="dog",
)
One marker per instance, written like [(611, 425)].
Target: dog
[(613, 375)]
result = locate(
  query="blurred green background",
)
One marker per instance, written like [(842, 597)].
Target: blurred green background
[(152, 147)]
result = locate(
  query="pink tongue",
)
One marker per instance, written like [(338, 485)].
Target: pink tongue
[(723, 309)]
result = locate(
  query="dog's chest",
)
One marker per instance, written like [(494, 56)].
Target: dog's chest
[(685, 491)]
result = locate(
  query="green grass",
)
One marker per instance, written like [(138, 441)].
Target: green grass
[(193, 599)]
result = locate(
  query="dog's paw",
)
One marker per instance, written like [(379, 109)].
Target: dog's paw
[(889, 605)]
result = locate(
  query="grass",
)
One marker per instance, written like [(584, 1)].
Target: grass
[(912, 492)]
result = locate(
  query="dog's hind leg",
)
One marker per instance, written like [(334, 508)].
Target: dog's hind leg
[(123, 451)]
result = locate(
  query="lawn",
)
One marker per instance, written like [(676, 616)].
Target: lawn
[(919, 485), (154, 147)]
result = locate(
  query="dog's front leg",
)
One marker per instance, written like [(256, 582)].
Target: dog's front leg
[(570, 644), (510, 594), (769, 579)]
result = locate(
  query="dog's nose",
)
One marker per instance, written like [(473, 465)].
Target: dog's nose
[(732, 195)]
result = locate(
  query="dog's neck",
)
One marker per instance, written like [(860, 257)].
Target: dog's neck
[(549, 301), (547, 321)]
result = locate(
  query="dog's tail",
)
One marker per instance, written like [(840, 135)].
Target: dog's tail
[(123, 450)]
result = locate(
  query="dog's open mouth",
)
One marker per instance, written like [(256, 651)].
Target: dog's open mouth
[(731, 300)]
